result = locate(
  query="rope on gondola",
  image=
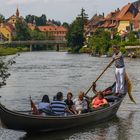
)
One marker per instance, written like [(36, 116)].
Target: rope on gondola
[(129, 88)]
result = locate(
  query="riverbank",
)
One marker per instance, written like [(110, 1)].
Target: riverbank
[(10, 50)]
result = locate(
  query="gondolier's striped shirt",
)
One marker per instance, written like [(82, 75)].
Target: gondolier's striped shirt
[(58, 107)]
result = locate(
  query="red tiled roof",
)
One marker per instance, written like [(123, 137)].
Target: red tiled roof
[(123, 11), (52, 28), (10, 27), (137, 21), (125, 14), (112, 15)]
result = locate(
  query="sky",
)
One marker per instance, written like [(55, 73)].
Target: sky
[(62, 10)]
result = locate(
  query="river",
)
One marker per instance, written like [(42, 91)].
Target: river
[(39, 73)]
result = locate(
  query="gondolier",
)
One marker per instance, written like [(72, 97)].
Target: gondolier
[(120, 70)]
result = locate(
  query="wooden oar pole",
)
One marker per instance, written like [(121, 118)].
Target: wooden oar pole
[(99, 76)]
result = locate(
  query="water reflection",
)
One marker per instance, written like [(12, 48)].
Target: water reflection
[(116, 129)]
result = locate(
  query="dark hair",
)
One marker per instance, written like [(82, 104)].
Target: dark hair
[(100, 94), (69, 93), (59, 95), (45, 98)]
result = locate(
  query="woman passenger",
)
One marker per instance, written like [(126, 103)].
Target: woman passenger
[(99, 101), (44, 105), (80, 103)]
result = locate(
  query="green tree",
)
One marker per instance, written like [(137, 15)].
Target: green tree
[(38, 21), (132, 36), (2, 18), (75, 36), (4, 67), (37, 35), (29, 19), (100, 41), (22, 31), (66, 25)]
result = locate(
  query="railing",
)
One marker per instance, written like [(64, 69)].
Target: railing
[(32, 42), (132, 47)]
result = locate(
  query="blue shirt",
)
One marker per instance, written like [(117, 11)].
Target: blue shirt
[(58, 107)]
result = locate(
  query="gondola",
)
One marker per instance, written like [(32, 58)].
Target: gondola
[(34, 123)]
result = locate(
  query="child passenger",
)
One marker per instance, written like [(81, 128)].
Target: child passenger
[(70, 103)]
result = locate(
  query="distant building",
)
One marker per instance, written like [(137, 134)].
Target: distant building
[(136, 22), (124, 20), (31, 26), (137, 4), (14, 18), (54, 32), (93, 24), (110, 21), (6, 31)]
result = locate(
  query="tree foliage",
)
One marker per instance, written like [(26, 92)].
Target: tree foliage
[(38, 21), (132, 36), (75, 36), (37, 35), (22, 31), (100, 41), (66, 25), (2, 18), (4, 67)]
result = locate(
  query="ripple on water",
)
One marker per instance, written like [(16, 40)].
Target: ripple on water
[(39, 73)]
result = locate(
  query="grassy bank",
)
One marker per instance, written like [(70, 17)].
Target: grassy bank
[(9, 50)]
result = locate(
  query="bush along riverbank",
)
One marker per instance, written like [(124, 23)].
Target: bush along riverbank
[(10, 50)]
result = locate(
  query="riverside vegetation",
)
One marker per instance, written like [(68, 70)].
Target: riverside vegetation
[(10, 50)]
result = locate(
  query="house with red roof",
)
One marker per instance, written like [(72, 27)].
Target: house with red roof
[(125, 19), (54, 32), (136, 22), (7, 31), (93, 23)]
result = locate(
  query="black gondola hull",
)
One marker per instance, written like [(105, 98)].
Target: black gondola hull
[(31, 123)]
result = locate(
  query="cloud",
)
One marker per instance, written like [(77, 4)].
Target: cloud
[(12, 2)]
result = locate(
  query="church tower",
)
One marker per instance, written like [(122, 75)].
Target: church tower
[(17, 12)]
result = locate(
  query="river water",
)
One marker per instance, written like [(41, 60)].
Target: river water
[(39, 73)]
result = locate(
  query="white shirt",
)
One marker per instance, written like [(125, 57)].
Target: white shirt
[(80, 105)]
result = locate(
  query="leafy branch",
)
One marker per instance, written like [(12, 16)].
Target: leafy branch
[(4, 67)]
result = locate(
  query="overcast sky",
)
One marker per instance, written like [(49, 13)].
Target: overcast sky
[(62, 10)]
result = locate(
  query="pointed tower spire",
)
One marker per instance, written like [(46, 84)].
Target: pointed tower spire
[(34, 21), (17, 12)]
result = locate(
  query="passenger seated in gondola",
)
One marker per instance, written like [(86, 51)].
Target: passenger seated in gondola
[(80, 103), (58, 105), (99, 101), (44, 105), (108, 91), (70, 103)]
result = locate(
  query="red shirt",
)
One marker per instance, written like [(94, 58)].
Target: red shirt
[(98, 102)]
